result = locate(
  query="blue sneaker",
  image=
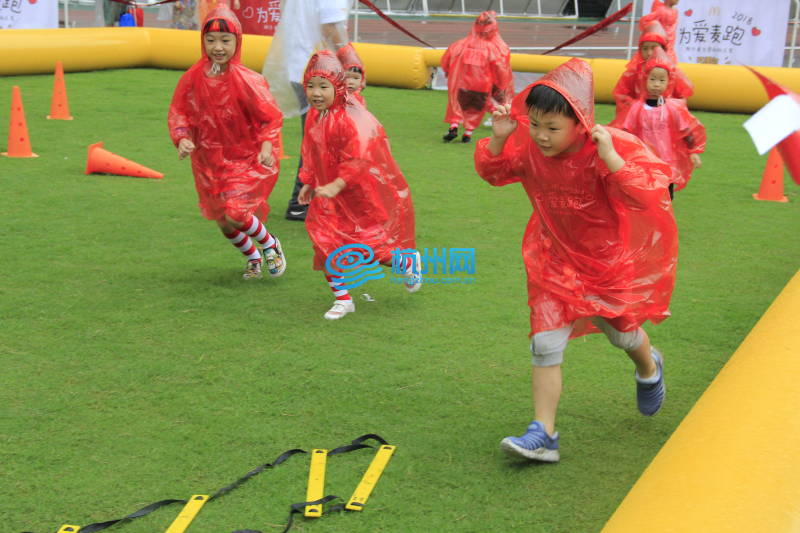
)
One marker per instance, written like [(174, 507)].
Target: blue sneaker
[(535, 444), (650, 396)]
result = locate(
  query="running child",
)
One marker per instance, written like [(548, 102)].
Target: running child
[(665, 124), (478, 69), (356, 192), (600, 249), (222, 114)]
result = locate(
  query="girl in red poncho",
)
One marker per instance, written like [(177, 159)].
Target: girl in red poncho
[(355, 77), (356, 192), (224, 116), (601, 246), (478, 68), (665, 124), (628, 88)]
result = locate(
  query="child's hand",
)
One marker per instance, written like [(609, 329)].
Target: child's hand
[(605, 148), (331, 189), (185, 147), (265, 156), (305, 195), (695, 159), (502, 123)]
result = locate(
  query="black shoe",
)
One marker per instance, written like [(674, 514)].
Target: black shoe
[(297, 213), (465, 138), (452, 133)]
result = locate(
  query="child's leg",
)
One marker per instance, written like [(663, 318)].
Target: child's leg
[(547, 348), (636, 344), (343, 304), (240, 240), (256, 229)]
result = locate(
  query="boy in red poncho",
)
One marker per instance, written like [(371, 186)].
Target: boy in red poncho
[(665, 124), (628, 88), (478, 68), (356, 192), (222, 114), (601, 246), (667, 14), (355, 77)]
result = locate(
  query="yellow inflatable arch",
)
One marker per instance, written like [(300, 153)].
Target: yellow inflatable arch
[(717, 87)]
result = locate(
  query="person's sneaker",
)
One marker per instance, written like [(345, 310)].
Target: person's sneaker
[(452, 133), (340, 308), (650, 394), (296, 212), (413, 281), (535, 444), (253, 269), (274, 259), (466, 138)]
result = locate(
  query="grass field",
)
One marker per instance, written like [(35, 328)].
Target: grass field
[(137, 365)]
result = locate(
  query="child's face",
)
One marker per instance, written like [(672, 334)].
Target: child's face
[(220, 46), (555, 133), (352, 80), (657, 81), (320, 93), (646, 49)]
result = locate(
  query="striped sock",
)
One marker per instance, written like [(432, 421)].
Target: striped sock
[(256, 229), (243, 243), (468, 133), (341, 294)]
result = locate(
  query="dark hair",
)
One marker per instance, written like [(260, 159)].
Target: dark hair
[(217, 24), (356, 69), (547, 100)]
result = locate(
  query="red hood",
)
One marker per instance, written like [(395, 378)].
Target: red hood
[(349, 58), (485, 25), (325, 65), (573, 80), (659, 58), (223, 13), (653, 32)]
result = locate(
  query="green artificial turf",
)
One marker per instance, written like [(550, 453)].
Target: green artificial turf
[(137, 365)]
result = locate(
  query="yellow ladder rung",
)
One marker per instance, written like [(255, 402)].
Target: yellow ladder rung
[(316, 482), (371, 477), (66, 528), (187, 514)]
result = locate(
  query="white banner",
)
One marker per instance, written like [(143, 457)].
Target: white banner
[(25, 14), (732, 32)]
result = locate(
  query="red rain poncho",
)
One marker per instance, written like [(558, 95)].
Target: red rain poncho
[(349, 58), (478, 69), (628, 87), (668, 129), (598, 243), (228, 117), (345, 141), (667, 16)]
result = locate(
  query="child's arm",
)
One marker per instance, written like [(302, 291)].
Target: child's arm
[(605, 148), (178, 120), (499, 159), (502, 128)]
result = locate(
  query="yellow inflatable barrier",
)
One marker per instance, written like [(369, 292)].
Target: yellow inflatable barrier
[(733, 464), (717, 87)]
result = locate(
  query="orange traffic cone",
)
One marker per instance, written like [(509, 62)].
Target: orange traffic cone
[(19, 144), (772, 183), (281, 155), (102, 161), (59, 108)]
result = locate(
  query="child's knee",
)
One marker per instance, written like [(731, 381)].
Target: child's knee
[(234, 219), (625, 340), (548, 347)]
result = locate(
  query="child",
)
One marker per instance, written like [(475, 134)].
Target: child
[(628, 87), (478, 68), (356, 192), (667, 14), (224, 116), (665, 124), (354, 75), (600, 248)]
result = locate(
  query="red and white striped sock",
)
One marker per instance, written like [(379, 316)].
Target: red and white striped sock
[(256, 229), (244, 244), (454, 125), (341, 294)]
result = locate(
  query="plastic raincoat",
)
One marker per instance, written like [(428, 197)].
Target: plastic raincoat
[(629, 84), (228, 117), (598, 243), (478, 69), (349, 58), (345, 141), (669, 129), (667, 16)]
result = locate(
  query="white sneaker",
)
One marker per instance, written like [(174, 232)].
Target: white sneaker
[(274, 259), (413, 281), (339, 309)]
